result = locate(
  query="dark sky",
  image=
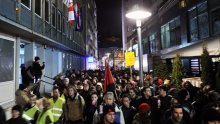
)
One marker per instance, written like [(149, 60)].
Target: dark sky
[(109, 23)]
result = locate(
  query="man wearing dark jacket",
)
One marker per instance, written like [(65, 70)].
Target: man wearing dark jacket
[(37, 68), (177, 116), (128, 110)]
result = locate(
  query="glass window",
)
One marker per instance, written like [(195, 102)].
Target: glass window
[(47, 11), (198, 22), (203, 25), (216, 22), (59, 21), (170, 33), (26, 3), (165, 36), (154, 45), (38, 7), (54, 16)]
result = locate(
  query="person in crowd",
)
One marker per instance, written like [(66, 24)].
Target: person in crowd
[(16, 116), (108, 100), (22, 96), (31, 110), (128, 110), (177, 116), (2, 116), (193, 91), (143, 115), (85, 93), (24, 75), (64, 95), (134, 97), (108, 115), (46, 115), (165, 100), (152, 101), (74, 107), (90, 110), (168, 112), (59, 81), (37, 68), (56, 105), (211, 115), (184, 96)]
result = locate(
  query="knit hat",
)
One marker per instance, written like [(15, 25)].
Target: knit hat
[(107, 109), (144, 107)]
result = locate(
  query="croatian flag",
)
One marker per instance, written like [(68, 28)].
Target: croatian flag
[(70, 12), (79, 24)]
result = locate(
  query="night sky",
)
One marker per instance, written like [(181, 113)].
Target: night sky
[(109, 23)]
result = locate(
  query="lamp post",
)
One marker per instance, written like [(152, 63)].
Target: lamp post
[(138, 14)]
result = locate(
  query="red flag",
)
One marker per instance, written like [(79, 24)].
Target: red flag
[(108, 80)]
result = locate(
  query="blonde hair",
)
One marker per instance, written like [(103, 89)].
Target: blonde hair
[(46, 103)]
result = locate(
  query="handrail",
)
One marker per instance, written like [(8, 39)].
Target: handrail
[(46, 82)]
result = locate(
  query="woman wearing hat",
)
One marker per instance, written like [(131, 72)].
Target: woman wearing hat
[(143, 115)]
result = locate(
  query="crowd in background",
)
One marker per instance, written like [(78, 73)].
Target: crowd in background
[(78, 97)]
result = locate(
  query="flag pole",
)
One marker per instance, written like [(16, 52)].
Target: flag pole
[(131, 73)]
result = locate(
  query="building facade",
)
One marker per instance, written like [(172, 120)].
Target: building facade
[(180, 26), (30, 28), (91, 35)]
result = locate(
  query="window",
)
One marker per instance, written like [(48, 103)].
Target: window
[(216, 22), (47, 11), (170, 33), (26, 3), (38, 7), (64, 25), (154, 44), (198, 22), (54, 16), (145, 45), (165, 36), (59, 21)]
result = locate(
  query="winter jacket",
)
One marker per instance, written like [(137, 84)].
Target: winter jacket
[(141, 119), (74, 108)]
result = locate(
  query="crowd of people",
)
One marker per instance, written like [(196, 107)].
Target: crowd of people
[(78, 97)]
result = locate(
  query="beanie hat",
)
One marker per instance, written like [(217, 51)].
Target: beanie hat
[(107, 109), (160, 81), (144, 107)]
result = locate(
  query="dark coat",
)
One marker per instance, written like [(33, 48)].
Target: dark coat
[(19, 120), (37, 68)]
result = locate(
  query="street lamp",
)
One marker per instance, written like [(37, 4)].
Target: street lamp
[(138, 14)]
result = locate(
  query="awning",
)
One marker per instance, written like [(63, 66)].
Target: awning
[(213, 47)]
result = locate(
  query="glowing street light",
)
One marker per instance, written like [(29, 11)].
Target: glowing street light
[(138, 14)]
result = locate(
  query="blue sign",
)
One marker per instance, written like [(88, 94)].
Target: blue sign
[(90, 59)]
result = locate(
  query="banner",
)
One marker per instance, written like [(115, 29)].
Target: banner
[(129, 58)]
